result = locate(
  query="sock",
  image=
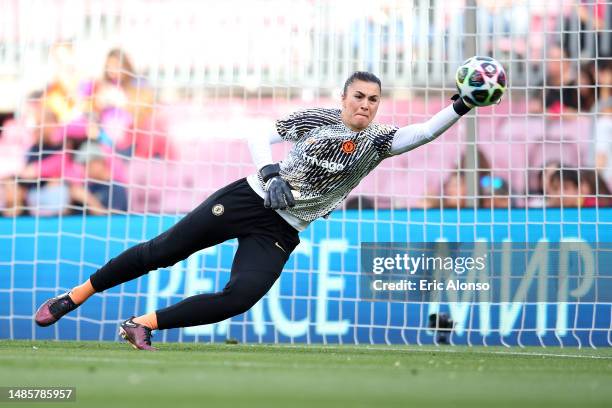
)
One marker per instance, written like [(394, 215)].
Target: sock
[(149, 320), (80, 294)]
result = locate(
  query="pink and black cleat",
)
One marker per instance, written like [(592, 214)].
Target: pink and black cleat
[(136, 334), (53, 310)]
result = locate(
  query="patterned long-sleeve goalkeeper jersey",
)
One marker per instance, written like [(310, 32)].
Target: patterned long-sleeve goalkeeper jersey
[(327, 160)]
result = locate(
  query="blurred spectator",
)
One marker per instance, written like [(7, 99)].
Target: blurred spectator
[(98, 177), (573, 188), (542, 184), (5, 117), (594, 190), (110, 115), (12, 153), (12, 146), (121, 87), (494, 193), (44, 161), (454, 189), (559, 91), (359, 203), (47, 182), (602, 126), (587, 86), (40, 122), (123, 107), (454, 193), (483, 165), (65, 94), (564, 189)]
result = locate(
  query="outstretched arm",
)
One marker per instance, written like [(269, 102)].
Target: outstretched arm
[(413, 136)]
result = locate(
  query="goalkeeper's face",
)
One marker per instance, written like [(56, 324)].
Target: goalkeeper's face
[(360, 104)]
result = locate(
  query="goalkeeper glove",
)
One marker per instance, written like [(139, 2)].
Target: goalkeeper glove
[(278, 194), (460, 105)]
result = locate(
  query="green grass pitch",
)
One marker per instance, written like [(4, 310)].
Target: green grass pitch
[(225, 375)]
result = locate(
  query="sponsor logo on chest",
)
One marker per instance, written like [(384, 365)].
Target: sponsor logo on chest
[(331, 166)]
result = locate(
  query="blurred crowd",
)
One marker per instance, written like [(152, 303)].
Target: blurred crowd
[(555, 185), (79, 135)]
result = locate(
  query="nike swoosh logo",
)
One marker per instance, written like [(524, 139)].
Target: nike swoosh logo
[(130, 323), (281, 248)]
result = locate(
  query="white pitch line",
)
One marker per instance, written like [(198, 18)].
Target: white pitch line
[(518, 353), (419, 350)]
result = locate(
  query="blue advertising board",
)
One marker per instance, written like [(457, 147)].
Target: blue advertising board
[(316, 299)]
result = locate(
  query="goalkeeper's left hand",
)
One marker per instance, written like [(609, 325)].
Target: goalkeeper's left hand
[(278, 195), (460, 105)]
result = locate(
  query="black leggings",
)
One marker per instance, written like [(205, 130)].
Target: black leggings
[(265, 241)]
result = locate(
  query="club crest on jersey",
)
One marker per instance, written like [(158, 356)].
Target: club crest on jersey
[(218, 209), (348, 146)]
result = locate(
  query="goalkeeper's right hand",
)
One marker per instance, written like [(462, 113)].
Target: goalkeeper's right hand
[(278, 194)]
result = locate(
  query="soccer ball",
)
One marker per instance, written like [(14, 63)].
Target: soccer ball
[(481, 81)]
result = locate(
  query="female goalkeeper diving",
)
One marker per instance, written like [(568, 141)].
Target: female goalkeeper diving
[(333, 149)]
